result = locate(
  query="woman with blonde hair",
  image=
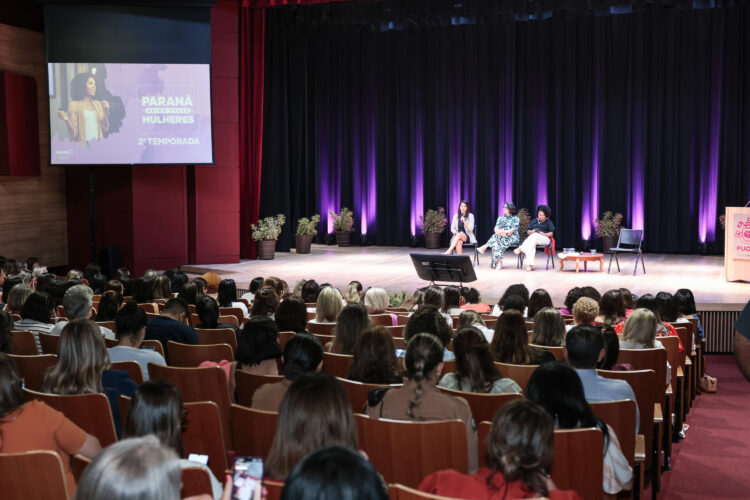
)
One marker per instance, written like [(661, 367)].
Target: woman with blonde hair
[(376, 301), (353, 294), (328, 306), (639, 332), (162, 288), (83, 368)]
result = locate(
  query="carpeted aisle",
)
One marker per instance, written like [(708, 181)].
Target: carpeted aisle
[(714, 460)]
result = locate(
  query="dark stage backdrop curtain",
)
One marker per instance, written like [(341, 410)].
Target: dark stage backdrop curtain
[(390, 112)]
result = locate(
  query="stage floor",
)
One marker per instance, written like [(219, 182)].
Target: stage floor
[(391, 268)]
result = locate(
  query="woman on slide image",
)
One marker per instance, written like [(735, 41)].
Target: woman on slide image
[(462, 228), (506, 235), (540, 231), (87, 118)]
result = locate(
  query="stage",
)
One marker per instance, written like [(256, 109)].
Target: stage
[(391, 268)]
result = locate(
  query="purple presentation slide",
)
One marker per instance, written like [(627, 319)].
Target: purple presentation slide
[(130, 114)]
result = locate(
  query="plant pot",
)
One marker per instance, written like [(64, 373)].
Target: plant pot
[(302, 243), (266, 249), (344, 238), (608, 242), (432, 240)]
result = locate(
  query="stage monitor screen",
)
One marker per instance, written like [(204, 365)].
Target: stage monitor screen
[(129, 113)]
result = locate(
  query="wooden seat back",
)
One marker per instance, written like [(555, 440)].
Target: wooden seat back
[(395, 331), (358, 392), (32, 368), (406, 452), (324, 339), (620, 416), (149, 307), (284, 338), (187, 355), (132, 367), (520, 374), (557, 352), (337, 365), (110, 342), (33, 474), (671, 344), (233, 311), (194, 320), (208, 336), (204, 435), (579, 450), (647, 359), (247, 383), (321, 328), (155, 345), (107, 324), (403, 319), (90, 412), (274, 488), (252, 430), (195, 482), (381, 319), (23, 343), (230, 319), (199, 384), (483, 406), (50, 343)]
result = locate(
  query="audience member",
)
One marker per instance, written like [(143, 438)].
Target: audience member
[(278, 286), (258, 350), (570, 300), (212, 282), (178, 279), (156, 409), (434, 296), (78, 304), (16, 293), (6, 332), (627, 301), (584, 348), (132, 469), (640, 332), (291, 315), (516, 289), (474, 302), (93, 274), (302, 354), (254, 287), (376, 301), (611, 309), (685, 303), (130, 326), (335, 473), (171, 325), (202, 286), (310, 292), (350, 323), (475, 369), (228, 296), (161, 288), (557, 388), (82, 368), (375, 358), (549, 328), (208, 314), (520, 451), (592, 293), (419, 398), (611, 352), (36, 316), (265, 304), (452, 303), (539, 300), (514, 303), (329, 305), (353, 293), (32, 425), (144, 290), (430, 320), (585, 312), (510, 344), (472, 318), (110, 303)]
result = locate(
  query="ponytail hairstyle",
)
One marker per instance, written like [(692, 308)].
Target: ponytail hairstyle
[(474, 361), (424, 353), (521, 445)]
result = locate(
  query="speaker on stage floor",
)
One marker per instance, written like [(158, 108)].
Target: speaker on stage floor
[(447, 268)]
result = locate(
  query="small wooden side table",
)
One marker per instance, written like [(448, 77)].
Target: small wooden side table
[(582, 257)]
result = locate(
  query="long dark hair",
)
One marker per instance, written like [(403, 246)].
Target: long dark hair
[(314, 413), (350, 323), (424, 353), (108, 306), (227, 293), (374, 358), (473, 360), (468, 208), (685, 301), (538, 300), (612, 307), (549, 328), (666, 305), (157, 409), (557, 388), (521, 445), (510, 344), (516, 289), (291, 315)]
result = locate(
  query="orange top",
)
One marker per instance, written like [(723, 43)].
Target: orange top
[(36, 426)]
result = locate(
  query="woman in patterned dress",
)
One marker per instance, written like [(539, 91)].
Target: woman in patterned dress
[(506, 235)]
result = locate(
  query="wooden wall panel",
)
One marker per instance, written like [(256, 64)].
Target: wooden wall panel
[(33, 221)]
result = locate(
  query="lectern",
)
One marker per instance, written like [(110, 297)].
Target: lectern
[(737, 244)]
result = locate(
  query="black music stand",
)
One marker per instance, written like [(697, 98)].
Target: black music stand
[(448, 268)]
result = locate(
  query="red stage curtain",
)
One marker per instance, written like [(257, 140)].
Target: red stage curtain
[(252, 46)]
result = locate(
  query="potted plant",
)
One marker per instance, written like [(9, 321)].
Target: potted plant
[(305, 232), (265, 235), (433, 224), (398, 298), (342, 224), (608, 229), (523, 224)]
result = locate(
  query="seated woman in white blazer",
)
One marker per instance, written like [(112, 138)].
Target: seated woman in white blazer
[(462, 228)]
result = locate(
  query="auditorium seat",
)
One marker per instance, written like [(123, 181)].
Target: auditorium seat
[(187, 355), (33, 474), (273, 488), (395, 331), (247, 383), (405, 452), (23, 343), (155, 345), (50, 343), (321, 328), (230, 319), (199, 384), (78, 465), (232, 311), (381, 319), (337, 364), (132, 367), (520, 374), (107, 324), (252, 430), (358, 392), (32, 368), (217, 336), (483, 406), (90, 412), (204, 435), (195, 482), (557, 352), (284, 338), (110, 342)]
